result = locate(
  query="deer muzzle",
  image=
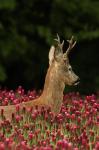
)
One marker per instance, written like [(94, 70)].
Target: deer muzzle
[(77, 81)]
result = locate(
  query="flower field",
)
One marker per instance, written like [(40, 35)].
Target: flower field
[(76, 127)]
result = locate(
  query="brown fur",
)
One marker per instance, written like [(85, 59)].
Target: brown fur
[(58, 75)]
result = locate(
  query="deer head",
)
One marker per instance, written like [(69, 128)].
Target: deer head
[(61, 63)]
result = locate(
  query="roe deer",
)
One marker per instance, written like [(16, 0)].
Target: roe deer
[(59, 74)]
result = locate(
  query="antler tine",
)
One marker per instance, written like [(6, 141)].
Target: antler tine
[(71, 44), (58, 41), (62, 44)]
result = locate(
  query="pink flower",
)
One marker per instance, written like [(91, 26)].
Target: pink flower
[(17, 118), (33, 116), (17, 108), (97, 146), (31, 136), (2, 146), (73, 116)]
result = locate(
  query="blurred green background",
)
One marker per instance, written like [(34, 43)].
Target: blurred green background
[(27, 30)]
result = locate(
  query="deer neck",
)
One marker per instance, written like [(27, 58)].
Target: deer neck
[(53, 88)]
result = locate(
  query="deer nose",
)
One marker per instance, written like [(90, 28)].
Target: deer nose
[(78, 79)]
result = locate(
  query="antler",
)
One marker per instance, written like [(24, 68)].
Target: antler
[(60, 45), (71, 45)]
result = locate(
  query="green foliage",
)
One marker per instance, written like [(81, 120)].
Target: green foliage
[(81, 18), (2, 73), (7, 4), (27, 29)]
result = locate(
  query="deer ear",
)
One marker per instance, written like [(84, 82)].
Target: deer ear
[(51, 54)]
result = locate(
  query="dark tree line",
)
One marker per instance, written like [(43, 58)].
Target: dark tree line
[(27, 30)]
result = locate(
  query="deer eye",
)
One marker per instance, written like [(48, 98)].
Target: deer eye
[(70, 69)]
